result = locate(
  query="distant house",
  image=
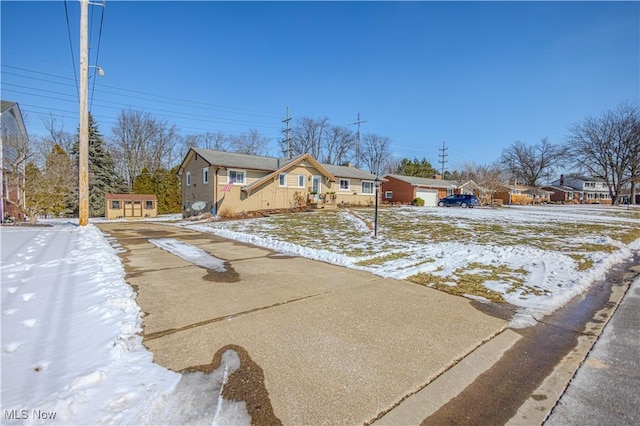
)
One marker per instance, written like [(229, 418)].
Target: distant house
[(522, 194), (227, 183), (130, 206), (402, 189), (13, 139), (579, 189)]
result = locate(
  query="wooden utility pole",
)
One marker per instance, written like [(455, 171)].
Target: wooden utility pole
[(83, 152)]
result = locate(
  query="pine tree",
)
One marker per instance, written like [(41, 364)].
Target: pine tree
[(102, 173), (144, 183), (59, 179)]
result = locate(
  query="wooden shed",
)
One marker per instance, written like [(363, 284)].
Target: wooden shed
[(130, 206)]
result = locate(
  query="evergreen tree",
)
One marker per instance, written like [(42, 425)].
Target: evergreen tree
[(60, 181), (144, 183), (165, 185), (102, 173), (36, 196), (420, 168)]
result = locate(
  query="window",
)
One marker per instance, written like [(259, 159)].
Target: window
[(115, 204), (205, 175), (367, 187), (344, 184), (282, 179), (301, 181), (137, 203), (188, 178), (388, 194), (148, 205), (236, 176)]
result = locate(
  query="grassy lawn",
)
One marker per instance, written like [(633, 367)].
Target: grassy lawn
[(505, 254)]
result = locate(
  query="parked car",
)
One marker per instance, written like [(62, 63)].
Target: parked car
[(462, 200)]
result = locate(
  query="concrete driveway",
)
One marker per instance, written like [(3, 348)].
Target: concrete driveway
[(337, 346)]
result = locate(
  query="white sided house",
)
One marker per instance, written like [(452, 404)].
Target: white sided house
[(227, 183)]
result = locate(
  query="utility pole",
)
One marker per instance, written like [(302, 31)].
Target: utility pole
[(358, 139), (83, 152), (287, 133), (443, 156)]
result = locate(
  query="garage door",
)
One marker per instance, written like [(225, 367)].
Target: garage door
[(430, 197)]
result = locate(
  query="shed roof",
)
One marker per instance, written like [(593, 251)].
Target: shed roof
[(132, 197)]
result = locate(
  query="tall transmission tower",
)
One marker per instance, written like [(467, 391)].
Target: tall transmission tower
[(287, 133), (443, 156), (358, 123)]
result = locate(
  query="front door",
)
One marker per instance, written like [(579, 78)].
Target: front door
[(316, 187)]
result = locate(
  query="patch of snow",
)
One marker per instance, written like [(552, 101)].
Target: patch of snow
[(551, 278), (190, 253), (70, 340)]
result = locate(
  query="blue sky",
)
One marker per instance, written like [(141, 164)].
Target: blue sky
[(476, 75)]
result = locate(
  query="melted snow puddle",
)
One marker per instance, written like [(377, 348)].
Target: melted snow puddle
[(190, 253)]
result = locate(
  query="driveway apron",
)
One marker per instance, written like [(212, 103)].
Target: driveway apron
[(336, 345)]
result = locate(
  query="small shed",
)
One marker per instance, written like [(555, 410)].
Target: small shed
[(130, 206)]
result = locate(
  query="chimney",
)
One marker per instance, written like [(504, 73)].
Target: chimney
[(561, 180), (439, 177)]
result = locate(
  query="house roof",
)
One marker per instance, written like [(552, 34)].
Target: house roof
[(560, 188), (241, 161), (270, 164), (5, 105), (132, 197), (297, 160), (349, 172), (586, 179), (421, 181)]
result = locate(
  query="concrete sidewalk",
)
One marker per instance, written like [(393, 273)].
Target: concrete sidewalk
[(337, 346)]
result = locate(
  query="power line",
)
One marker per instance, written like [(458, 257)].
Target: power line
[(95, 70), (213, 107), (73, 60)]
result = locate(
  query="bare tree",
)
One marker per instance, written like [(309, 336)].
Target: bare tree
[(528, 163), (606, 147), (216, 141), (17, 152), (337, 145), (376, 152), (251, 142), (140, 141), (307, 136), (490, 178), (56, 135)]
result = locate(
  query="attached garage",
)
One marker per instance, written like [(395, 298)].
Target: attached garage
[(430, 196)]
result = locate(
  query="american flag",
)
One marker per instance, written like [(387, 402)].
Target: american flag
[(227, 187)]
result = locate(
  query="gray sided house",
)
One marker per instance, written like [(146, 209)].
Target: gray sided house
[(227, 183), (13, 142)]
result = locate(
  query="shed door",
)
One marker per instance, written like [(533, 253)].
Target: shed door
[(430, 197)]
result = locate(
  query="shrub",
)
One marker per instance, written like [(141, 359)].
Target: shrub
[(417, 202)]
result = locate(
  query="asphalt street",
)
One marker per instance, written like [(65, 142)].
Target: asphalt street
[(604, 391)]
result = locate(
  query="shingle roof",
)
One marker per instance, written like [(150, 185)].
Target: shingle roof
[(349, 172), (256, 162), (242, 161), (420, 181), (134, 197)]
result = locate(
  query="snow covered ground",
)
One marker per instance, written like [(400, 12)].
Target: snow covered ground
[(71, 353), (536, 258)]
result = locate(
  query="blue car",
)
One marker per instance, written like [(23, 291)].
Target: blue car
[(462, 200)]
